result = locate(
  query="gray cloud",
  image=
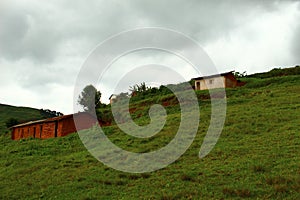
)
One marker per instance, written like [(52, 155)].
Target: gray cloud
[(25, 34), (204, 21), (45, 43), (295, 47), (37, 30)]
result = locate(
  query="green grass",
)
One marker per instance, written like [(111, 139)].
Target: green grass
[(278, 72), (22, 114), (256, 157)]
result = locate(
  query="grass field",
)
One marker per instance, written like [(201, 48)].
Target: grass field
[(257, 155)]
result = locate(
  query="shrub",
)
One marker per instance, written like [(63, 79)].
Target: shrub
[(11, 122)]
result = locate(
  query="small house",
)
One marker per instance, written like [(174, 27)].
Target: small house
[(224, 80), (112, 98), (53, 127), (116, 97)]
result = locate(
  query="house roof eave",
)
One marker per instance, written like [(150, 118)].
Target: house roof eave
[(214, 75)]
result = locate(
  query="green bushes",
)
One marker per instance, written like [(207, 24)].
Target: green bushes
[(11, 122)]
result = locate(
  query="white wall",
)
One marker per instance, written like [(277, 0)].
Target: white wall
[(210, 83)]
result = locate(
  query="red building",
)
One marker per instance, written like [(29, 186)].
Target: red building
[(53, 127)]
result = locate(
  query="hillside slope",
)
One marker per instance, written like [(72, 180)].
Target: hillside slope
[(22, 114), (277, 72), (257, 155)]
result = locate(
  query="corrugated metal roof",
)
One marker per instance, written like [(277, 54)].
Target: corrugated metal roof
[(28, 123), (59, 118), (211, 76), (47, 120)]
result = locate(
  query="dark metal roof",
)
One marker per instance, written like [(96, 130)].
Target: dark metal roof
[(48, 120), (29, 123), (112, 96), (212, 76)]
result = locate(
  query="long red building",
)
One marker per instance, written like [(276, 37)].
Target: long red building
[(53, 127)]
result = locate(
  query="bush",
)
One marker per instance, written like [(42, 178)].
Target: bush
[(11, 122)]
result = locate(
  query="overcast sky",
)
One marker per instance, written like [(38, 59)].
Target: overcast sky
[(43, 44)]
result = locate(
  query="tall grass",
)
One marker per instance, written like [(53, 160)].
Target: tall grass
[(256, 157)]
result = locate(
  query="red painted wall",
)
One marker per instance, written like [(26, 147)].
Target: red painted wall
[(55, 127)]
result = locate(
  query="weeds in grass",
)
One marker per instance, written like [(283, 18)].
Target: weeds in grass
[(257, 155), (259, 168), (236, 192), (187, 177)]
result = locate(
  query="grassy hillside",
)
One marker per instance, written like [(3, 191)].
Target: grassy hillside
[(277, 72), (22, 114), (257, 155)]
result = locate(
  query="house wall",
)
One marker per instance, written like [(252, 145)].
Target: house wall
[(227, 81), (67, 126), (57, 128), (85, 121), (34, 131), (19, 133), (15, 134), (39, 130), (26, 131), (48, 130), (112, 100), (230, 81), (210, 83)]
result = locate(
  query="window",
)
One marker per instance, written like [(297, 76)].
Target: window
[(211, 81)]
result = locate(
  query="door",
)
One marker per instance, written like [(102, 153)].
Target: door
[(198, 85), (41, 130), (56, 127)]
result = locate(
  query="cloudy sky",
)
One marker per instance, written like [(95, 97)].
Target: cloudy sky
[(43, 44)]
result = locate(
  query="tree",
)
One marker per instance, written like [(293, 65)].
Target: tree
[(50, 113), (239, 74), (139, 89), (11, 122), (90, 98)]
